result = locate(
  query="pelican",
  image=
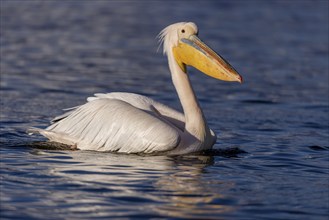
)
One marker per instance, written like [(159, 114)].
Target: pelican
[(132, 123)]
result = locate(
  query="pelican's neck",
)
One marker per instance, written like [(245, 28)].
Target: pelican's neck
[(195, 122)]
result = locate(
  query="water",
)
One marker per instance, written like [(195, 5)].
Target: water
[(54, 54)]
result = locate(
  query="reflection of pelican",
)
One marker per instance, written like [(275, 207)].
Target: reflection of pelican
[(172, 187), (130, 123)]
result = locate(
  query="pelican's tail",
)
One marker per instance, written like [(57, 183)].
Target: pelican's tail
[(53, 136), (34, 130)]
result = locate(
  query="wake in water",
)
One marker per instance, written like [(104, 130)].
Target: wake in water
[(49, 145)]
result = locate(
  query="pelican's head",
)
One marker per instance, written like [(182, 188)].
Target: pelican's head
[(181, 40)]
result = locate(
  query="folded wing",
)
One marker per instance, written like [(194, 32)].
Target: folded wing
[(108, 124)]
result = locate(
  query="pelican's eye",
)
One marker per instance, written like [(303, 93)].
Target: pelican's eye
[(183, 31)]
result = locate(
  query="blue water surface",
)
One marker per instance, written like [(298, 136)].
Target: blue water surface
[(54, 54)]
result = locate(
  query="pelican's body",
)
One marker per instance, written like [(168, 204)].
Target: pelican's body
[(131, 123)]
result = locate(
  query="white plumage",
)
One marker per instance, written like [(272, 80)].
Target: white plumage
[(131, 123)]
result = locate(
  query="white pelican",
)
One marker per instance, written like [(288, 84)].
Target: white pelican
[(132, 123)]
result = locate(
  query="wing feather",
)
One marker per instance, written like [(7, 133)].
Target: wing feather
[(143, 102), (107, 124)]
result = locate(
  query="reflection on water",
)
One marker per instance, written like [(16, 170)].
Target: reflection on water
[(54, 54), (178, 181), (168, 186)]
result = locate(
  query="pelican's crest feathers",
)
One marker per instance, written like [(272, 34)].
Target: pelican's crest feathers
[(168, 37)]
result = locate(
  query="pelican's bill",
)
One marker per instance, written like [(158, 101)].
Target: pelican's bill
[(193, 52)]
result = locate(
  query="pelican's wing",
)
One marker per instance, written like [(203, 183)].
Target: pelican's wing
[(171, 115), (113, 125), (146, 103)]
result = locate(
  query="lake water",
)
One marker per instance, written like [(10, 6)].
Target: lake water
[(54, 54)]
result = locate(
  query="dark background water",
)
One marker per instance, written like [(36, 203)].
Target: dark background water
[(54, 54)]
